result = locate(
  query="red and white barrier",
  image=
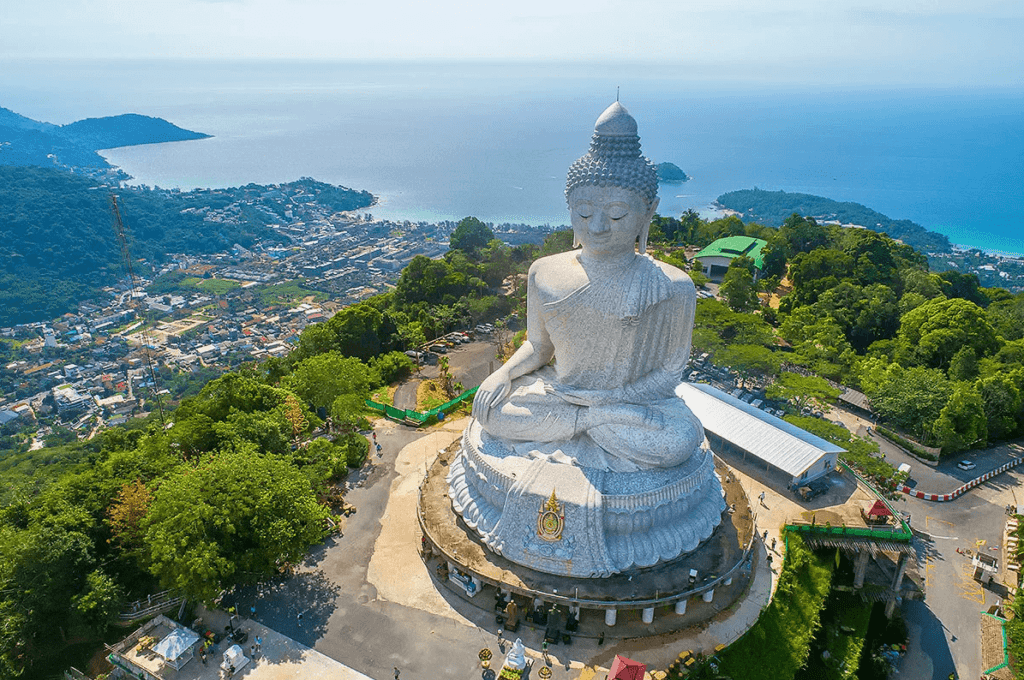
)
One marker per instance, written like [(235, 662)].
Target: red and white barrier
[(956, 493)]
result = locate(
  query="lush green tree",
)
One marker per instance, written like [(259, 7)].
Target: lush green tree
[(911, 399), (392, 367), (802, 391), (818, 343), (964, 286), (322, 460), (717, 326), (815, 272), (557, 242), (865, 313), (1007, 317), (470, 235), (872, 257), (961, 424), (100, 601), (751, 362), (933, 333), (922, 283), (1004, 406), (964, 365), (321, 379), (738, 285), (232, 518)]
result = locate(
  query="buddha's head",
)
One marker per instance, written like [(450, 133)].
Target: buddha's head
[(612, 191)]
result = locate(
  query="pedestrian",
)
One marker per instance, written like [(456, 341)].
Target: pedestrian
[(252, 611), (252, 650), (396, 672), (501, 632), (259, 643), (770, 563), (379, 449), (764, 537), (600, 638), (773, 543)]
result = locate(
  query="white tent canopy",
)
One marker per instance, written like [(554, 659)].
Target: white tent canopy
[(176, 648)]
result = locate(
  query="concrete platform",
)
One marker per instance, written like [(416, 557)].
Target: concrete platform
[(723, 565)]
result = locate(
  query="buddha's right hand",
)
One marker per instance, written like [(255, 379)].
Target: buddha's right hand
[(496, 387)]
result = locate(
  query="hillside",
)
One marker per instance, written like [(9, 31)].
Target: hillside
[(58, 245), (773, 207), (24, 141), (129, 129)]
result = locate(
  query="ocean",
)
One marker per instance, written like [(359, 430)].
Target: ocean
[(442, 141)]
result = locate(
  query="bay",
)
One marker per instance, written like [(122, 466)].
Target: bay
[(441, 141)]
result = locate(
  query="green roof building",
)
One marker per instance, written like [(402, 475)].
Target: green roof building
[(715, 258)]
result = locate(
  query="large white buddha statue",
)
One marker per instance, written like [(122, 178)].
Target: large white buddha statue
[(580, 460)]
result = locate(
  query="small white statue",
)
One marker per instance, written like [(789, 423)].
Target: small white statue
[(516, 658)]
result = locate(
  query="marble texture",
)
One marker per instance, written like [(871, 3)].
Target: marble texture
[(580, 459)]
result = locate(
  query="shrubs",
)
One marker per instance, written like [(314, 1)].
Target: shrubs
[(778, 644)]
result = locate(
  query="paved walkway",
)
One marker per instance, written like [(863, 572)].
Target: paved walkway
[(400, 576), (400, 616), (280, 657)]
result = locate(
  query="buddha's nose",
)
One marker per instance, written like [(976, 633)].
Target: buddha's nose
[(599, 224)]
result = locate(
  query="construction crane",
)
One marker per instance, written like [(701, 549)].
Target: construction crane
[(126, 260)]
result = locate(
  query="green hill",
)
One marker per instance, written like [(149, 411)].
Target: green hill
[(24, 141), (129, 129), (773, 207), (58, 246)]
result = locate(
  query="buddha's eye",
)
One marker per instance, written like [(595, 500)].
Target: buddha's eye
[(617, 211), (584, 209)]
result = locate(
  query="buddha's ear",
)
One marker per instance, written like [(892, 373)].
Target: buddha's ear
[(646, 229), (653, 209)]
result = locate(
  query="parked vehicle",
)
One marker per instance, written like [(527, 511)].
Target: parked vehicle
[(812, 490), (966, 465), (439, 348)]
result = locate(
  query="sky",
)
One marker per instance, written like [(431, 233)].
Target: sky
[(930, 42)]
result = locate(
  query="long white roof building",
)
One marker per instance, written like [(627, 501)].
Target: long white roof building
[(796, 452)]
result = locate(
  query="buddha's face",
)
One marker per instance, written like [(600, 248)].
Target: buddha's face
[(608, 220)]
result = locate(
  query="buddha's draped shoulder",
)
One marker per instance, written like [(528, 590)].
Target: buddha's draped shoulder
[(610, 333)]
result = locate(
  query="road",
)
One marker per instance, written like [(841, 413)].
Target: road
[(945, 629)]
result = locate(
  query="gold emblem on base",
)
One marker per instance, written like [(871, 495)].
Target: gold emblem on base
[(551, 519)]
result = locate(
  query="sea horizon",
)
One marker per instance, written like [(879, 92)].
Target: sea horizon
[(440, 141)]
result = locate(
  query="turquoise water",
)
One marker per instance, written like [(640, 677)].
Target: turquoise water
[(445, 141)]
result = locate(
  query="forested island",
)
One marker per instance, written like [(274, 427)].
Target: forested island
[(670, 173), (24, 141), (773, 207)]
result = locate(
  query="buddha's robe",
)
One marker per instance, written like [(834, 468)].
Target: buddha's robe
[(629, 336)]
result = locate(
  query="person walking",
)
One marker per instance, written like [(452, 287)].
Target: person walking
[(396, 672), (773, 543), (761, 498)]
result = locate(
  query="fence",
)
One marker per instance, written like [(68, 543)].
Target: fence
[(959, 491), (900, 533), (418, 418), (158, 603)]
